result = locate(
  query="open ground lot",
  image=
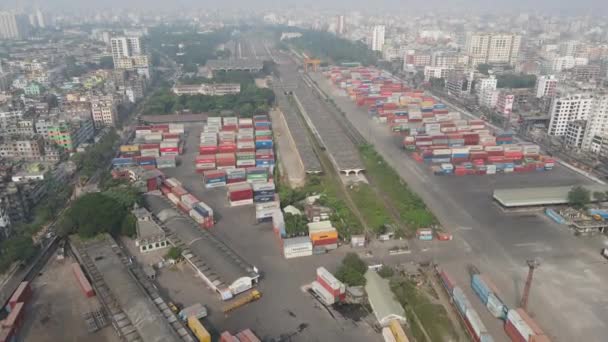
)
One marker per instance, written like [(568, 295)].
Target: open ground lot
[(284, 311), (57, 308), (566, 297)]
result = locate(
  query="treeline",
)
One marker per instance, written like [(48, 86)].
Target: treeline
[(244, 78), (197, 47), (326, 45), (249, 101), (97, 155)]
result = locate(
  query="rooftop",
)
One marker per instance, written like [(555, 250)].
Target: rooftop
[(220, 64), (382, 300), (525, 197), (221, 261), (149, 322)]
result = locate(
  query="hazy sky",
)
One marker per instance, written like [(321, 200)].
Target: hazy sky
[(585, 6)]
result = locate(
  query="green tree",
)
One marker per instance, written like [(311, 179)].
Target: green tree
[(579, 197), (128, 227), (174, 253), (599, 196), (515, 81), (352, 270), (386, 271), (295, 225), (94, 213)]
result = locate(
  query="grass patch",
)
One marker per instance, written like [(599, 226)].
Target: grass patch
[(370, 206), (433, 317), (412, 210)]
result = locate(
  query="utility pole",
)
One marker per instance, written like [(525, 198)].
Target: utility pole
[(532, 265)]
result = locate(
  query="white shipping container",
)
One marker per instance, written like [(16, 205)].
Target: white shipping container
[(196, 216), (495, 306), (152, 152), (329, 278), (513, 148), (520, 324), (241, 202), (475, 322), (142, 132), (172, 182), (278, 220), (171, 140), (214, 185), (153, 137), (168, 144), (387, 334), (169, 153), (268, 206), (189, 200), (174, 199), (268, 186), (262, 214), (245, 162), (491, 169), (326, 297)]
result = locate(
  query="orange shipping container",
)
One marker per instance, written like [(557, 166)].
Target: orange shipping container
[(324, 235)]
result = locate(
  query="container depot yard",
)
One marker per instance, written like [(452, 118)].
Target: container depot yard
[(285, 311), (571, 273)]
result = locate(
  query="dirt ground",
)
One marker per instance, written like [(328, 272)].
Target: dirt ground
[(57, 308)]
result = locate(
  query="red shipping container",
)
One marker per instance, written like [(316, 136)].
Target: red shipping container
[(149, 146), (512, 332), (447, 281), (165, 190), (179, 191), (183, 207), (152, 184), (171, 135), (202, 159), (15, 317), (82, 280), (247, 336), (227, 337), (324, 242), (169, 149), (207, 149), (21, 294), (334, 292), (227, 148), (240, 195)]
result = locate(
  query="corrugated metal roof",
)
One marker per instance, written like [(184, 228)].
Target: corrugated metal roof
[(381, 299), (539, 196)]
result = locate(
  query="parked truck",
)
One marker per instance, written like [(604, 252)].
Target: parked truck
[(251, 296)]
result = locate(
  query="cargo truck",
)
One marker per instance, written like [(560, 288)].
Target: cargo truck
[(251, 296)]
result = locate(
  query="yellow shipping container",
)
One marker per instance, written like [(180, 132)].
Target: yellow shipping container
[(198, 329), (397, 331), (332, 234), (129, 148)]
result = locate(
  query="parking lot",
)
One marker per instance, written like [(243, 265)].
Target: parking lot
[(58, 306), (499, 243), (284, 310)]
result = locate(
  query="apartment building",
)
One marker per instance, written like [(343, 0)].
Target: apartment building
[(492, 48), (504, 103), (435, 72), (575, 133), (545, 86), (104, 111), (30, 149), (568, 107), (14, 26), (67, 134), (459, 83), (597, 124), (377, 37)]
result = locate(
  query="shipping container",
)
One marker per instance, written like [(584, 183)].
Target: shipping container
[(21, 294), (247, 336), (196, 310), (325, 296), (82, 280), (14, 319), (397, 331), (198, 329), (516, 328), (297, 247)]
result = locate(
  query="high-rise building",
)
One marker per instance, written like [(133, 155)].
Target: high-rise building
[(104, 111), (545, 86), (125, 47), (566, 108), (14, 26), (597, 124), (493, 48), (340, 25), (504, 103), (377, 41)]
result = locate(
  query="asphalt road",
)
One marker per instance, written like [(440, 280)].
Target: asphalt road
[(566, 297)]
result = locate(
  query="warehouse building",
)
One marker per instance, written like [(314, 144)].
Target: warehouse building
[(540, 196), (219, 266), (381, 299)]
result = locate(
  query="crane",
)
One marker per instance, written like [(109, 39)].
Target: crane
[(532, 265)]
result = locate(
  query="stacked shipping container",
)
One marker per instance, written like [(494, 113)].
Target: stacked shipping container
[(200, 212)]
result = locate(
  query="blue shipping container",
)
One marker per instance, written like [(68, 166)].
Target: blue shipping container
[(484, 290)]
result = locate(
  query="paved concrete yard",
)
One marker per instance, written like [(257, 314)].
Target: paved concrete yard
[(566, 296), (284, 310), (57, 308)]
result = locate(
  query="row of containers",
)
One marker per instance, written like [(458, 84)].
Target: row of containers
[(187, 203), (327, 288), (9, 327), (322, 238), (518, 325), (232, 176), (428, 126), (147, 163), (235, 142)]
